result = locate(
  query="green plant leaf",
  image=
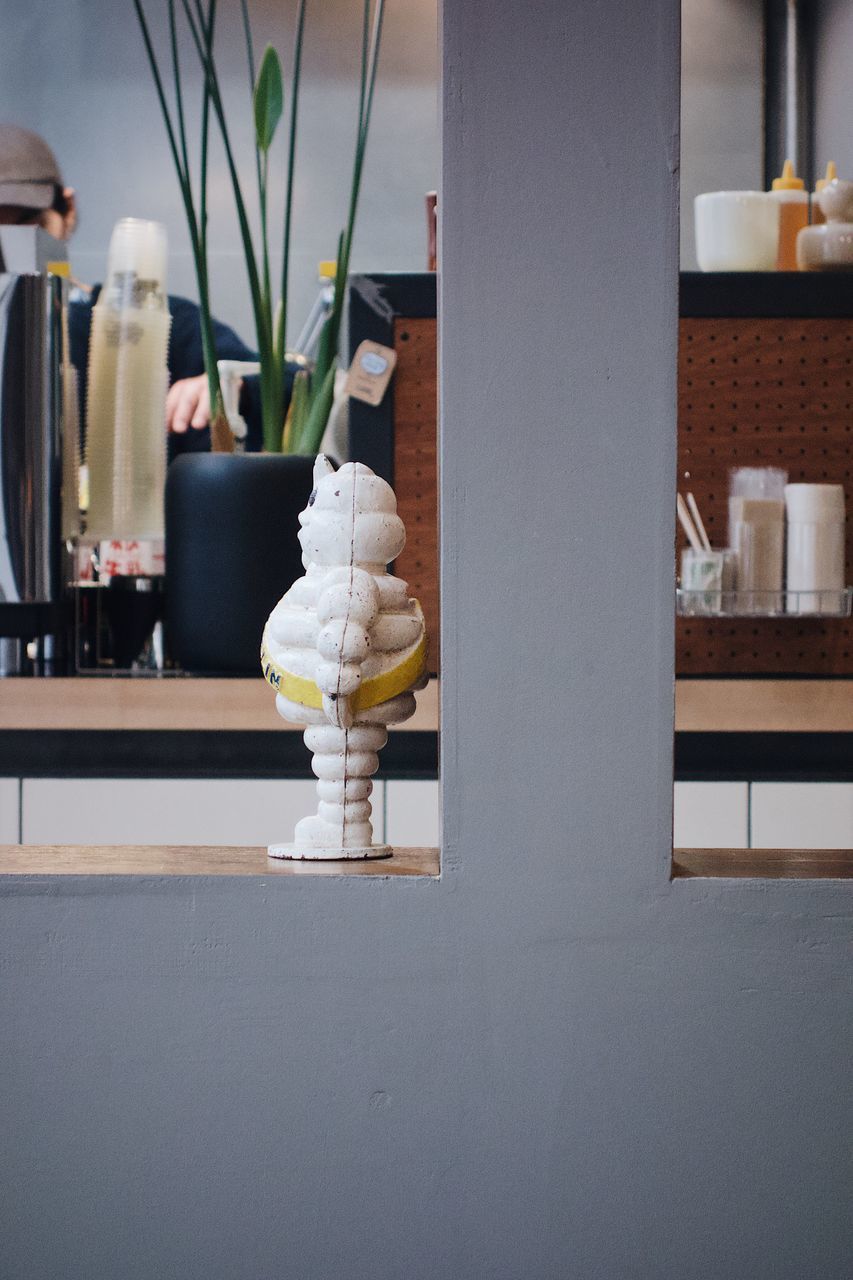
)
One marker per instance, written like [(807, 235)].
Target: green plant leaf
[(298, 412), (318, 416), (269, 98)]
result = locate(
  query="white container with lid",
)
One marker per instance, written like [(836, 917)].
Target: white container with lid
[(815, 546), (828, 246), (736, 231)]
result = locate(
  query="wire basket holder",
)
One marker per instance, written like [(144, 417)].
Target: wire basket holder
[(763, 604)]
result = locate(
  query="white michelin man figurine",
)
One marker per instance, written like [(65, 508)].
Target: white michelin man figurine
[(344, 649)]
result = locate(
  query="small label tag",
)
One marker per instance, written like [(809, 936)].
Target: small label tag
[(370, 372)]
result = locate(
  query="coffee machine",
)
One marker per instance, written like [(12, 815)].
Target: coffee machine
[(37, 397)]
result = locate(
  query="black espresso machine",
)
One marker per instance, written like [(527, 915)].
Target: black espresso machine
[(37, 396)]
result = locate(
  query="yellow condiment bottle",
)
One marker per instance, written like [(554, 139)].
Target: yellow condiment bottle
[(818, 215), (790, 191)]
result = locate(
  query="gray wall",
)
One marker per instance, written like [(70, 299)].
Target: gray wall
[(553, 1062), (833, 96), (721, 104), (76, 72)]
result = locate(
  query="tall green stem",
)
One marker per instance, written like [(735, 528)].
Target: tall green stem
[(322, 381), (178, 148), (291, 161), (313, 401), (272, 405)]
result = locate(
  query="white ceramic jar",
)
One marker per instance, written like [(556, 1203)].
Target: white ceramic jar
[(828, 246), (815, 547), (736, 231)]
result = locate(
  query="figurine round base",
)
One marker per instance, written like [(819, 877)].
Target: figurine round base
[(305, 853)]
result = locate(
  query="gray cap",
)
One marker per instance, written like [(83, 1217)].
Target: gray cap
[(28, 169)]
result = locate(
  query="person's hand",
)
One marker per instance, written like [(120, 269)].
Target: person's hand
[(188, 404)]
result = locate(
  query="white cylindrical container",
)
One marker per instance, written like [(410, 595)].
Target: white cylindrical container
[(127, 384), (736, 231), (815, 547)]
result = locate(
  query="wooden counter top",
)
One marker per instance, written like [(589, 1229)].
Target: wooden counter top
[(190, 703), (764, 706), (168, 703), (197, 860)]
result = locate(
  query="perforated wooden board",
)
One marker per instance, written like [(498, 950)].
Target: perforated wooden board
[(415, 390), (764, 392)]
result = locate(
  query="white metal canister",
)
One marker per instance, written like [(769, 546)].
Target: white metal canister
[(815, 547)]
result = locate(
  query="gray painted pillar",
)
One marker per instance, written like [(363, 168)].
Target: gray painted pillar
[(552, 1063), (559, 294)]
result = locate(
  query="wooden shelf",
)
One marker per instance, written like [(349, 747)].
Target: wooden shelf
[(197, 860), (156, 861), (763, 864)]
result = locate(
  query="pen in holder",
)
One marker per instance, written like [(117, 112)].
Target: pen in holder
[(707, 576)]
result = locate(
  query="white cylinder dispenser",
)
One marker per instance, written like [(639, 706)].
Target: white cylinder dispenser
[(815, 547)]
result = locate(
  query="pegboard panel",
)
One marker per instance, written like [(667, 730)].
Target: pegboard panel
[(763, 392), (415, 389)]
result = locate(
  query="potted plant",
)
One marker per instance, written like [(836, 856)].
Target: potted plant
[(231, 520)]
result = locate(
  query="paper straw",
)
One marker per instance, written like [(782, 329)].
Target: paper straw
[(687, 523), (697, 520)]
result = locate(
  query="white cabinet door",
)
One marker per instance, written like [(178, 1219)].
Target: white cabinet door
[(168, 810), (412, 814), (9, 810), (802, 815), (710, 815)]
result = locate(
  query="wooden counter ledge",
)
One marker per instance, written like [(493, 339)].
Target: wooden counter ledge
[(197, 860), (196, 703), (764, 706), (168, 703), (764, 864)]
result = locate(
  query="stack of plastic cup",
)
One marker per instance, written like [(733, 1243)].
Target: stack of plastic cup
[(127, 385), (757, 536)]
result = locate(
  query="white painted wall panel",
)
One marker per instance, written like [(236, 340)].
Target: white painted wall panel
[(9, 810), (411, 813), (833, 46), (721, 103), (802, 815), (710, 815), (167, 811)]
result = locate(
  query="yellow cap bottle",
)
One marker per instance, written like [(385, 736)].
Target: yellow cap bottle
[(790, 191), (831, 174), (788, 180)]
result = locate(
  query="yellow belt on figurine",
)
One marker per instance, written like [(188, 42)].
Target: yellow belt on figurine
[(376, 689)]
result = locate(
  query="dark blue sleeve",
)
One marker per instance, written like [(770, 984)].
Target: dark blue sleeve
[(186, 360), (186, 354)]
